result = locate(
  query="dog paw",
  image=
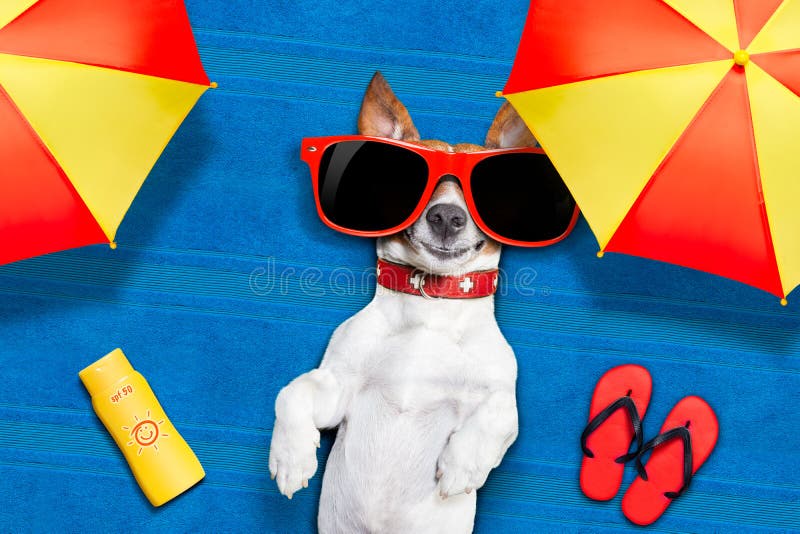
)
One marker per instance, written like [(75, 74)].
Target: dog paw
[(464, 465), (293, 456)]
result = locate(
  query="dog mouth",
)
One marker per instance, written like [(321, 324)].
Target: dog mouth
[(445, 253)]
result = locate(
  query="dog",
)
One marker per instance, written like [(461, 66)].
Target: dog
[(422, 390)]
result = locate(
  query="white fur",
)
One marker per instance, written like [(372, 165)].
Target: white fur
[(423, 393), (416, 386)]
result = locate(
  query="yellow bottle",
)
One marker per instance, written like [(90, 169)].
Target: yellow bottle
[(161, 461)]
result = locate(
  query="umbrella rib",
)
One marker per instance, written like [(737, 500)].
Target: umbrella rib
[(102, 66), (665, 159), (762, 202), (767, 228)]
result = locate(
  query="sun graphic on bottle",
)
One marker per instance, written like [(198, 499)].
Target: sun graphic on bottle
[(145, 433)]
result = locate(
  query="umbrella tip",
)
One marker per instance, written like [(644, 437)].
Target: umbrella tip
[(214, 85), (113, 245), (498, 94), (600, 253), (784, 302)]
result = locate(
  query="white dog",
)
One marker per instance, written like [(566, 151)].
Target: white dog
[(422, 390)]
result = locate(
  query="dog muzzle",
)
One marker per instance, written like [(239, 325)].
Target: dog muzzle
[(413, 281)]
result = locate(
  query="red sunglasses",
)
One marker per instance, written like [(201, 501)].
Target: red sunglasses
[(373, 186)]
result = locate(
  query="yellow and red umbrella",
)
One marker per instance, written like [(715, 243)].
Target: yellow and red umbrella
[(90, 94), (675, 124)]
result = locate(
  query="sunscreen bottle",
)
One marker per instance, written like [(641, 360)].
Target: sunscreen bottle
[(161, 461)]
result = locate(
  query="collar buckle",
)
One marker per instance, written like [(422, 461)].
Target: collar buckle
[(417, 278)]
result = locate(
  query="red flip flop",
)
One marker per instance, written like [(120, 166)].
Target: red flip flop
[(619, 402), (687, 438)]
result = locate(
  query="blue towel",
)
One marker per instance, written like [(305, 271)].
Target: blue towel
[(225, 286)]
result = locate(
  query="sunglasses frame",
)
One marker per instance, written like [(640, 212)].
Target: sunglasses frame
[(440, 163)]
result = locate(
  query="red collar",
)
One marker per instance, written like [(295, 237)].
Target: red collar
[(417, 282)]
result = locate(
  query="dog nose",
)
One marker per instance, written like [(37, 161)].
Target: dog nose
[(446, 220)]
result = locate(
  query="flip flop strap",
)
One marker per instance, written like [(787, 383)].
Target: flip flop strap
[(678, 432), (623, 402)]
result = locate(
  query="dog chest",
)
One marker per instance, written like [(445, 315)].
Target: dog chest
[(422, 369)]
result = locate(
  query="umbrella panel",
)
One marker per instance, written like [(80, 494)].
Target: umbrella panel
[(40, 211), (563, 41), (751, 15), (607, 136), (776, 122), (780, 31), (715, 17), (11, 9), (783, 66), (703, 207), (152, 37), (105, 128)]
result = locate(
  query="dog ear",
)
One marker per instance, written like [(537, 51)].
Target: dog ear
[(383, 115), (509, 130)]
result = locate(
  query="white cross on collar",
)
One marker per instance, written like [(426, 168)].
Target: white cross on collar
[(466, 284), (416, 280)]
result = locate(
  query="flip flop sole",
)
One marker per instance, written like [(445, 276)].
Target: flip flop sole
[(601, 476), (644, 502)]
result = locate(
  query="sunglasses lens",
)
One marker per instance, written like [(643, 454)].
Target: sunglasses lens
[(521, 197), (370, 186)]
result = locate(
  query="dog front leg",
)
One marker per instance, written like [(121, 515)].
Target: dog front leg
[(478, 445), (311, 401)]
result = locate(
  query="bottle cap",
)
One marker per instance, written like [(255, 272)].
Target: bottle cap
[(106, 372)]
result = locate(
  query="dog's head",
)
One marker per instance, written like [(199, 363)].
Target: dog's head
[(445, 239)]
